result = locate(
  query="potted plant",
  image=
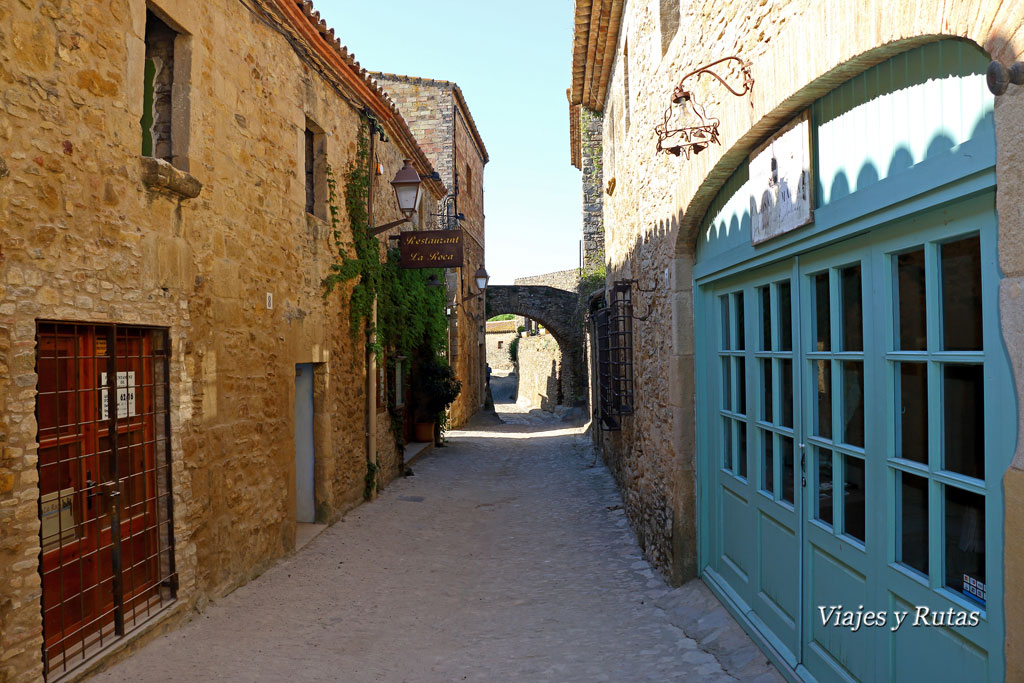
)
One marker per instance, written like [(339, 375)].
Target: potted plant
[(437, 389)]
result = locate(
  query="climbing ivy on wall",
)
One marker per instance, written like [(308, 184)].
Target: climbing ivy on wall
[(411, 320), (360, 258), (409, 313)]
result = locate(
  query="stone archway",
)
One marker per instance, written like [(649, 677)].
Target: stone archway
[(555, 309)]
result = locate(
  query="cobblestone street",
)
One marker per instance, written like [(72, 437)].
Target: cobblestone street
[(506, 557)]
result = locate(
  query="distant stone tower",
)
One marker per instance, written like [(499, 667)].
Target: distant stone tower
[(586, 132)]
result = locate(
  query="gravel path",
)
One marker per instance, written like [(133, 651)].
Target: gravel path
[(507, 557)]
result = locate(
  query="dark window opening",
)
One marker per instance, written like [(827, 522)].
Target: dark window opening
[(669, 19), (157, 92), (315, 163), (310, 184), (613, 334)]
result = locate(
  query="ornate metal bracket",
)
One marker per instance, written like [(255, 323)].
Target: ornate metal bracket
[(695, 139), (627, 285)]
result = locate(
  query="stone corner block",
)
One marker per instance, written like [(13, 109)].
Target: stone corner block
[(159, 175)]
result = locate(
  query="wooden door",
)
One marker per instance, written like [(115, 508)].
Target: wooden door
[(106, 539), (75, 518)]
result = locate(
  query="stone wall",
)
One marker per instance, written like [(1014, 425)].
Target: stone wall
[(591, 124), (85, 239), (566, 280), (499, 335), (657, 200), (540, 371)]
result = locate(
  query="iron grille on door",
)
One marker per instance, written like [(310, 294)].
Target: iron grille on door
[(107, 560), (613, 328)]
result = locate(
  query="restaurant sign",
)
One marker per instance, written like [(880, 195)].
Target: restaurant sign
[(431, 249)]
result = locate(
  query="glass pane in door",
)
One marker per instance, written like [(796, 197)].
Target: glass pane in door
[(961, 295), (912, 402), (852, 318), (963, 396), (911, 333), (853, 497), (912, 544), (965, 542)]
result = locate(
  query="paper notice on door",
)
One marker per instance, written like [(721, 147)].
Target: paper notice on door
[(58, 517), (125, 395)]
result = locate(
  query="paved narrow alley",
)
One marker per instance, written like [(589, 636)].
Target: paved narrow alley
[(506, 557)]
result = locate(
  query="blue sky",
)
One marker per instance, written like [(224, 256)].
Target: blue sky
[(512, 62)]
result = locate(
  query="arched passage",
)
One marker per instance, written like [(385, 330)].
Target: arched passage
[(555, 309)]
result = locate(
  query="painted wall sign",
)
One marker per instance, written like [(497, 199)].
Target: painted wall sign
[(431, 249), (125, 395), (781, 191)]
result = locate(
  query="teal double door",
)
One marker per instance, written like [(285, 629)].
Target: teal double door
[(855, 427)]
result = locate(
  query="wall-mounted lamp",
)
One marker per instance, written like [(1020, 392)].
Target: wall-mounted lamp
[(999, 77), (434, 281), (481, 278), (409, 193), (695, 139)]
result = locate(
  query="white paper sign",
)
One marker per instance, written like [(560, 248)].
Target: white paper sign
[(57, 517), (781, 191), (125, 395)]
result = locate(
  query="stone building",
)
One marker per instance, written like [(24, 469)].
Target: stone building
[(440, 119), (176, 393), (809, 351), (500, 334)]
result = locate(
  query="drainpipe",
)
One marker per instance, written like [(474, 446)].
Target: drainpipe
[(371, 357)]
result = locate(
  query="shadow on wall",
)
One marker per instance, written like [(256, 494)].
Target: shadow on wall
[(925, 104), (540, 369), (553, 396)]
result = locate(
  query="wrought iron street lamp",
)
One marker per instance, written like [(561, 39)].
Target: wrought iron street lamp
[(409, 193), (481, 278), (408, 189)]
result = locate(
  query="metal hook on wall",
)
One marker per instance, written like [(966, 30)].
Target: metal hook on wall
[(621, 285)]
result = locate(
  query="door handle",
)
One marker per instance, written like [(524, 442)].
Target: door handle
[(93, 489), (803, 466), (90, 490)]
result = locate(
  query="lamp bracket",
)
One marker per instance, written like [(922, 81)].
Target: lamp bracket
[(621, 285), (387, 226), (696, 138)]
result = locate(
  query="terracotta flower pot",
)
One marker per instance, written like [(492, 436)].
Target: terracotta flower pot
[(424, 431)]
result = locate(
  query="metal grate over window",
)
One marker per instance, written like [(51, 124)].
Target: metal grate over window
[(613, 331), (105, 507)]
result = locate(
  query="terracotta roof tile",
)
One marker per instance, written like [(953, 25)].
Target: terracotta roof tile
[(501, 326)]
